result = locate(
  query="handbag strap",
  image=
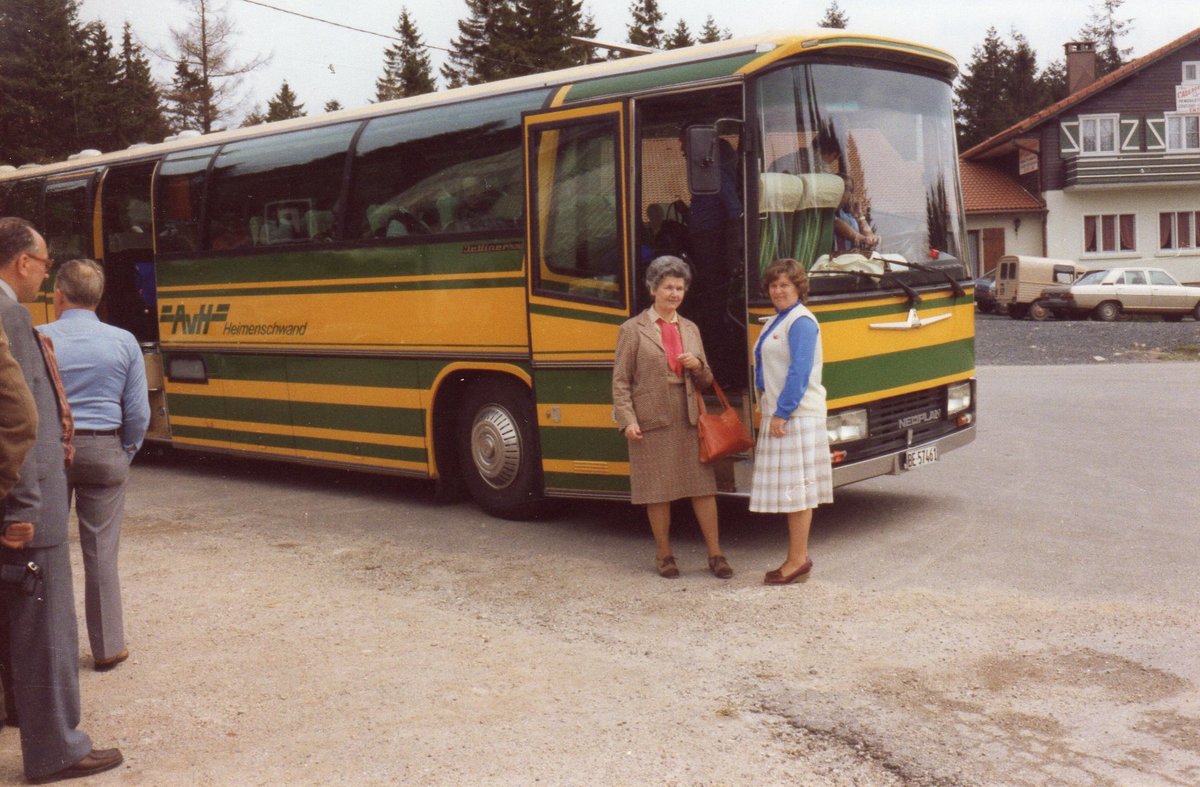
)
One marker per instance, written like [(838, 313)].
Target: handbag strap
[(720, 397)]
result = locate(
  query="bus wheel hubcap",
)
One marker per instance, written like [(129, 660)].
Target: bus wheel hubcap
[(496, 446)]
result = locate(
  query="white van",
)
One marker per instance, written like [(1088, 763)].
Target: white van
[(1021, 279)]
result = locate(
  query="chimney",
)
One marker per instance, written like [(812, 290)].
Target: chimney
[(1081, 65)]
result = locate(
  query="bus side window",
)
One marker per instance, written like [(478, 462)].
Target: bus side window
[(429, 171), (278, 189), (180, 187)]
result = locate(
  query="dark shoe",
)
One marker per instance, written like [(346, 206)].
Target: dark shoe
[(719, 567), (800, 575), (97, 761), (103, 665), (667, 567)]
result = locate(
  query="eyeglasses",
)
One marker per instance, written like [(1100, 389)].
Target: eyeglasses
[(47, 263)]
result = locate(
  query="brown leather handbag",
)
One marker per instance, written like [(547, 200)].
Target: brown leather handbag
[(721, 434)]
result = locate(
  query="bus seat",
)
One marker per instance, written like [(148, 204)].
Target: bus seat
[(320, 224)]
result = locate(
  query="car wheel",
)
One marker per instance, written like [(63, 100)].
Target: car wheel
[(1108, 311), (1196, 312), (1038, 311), (498, 444)]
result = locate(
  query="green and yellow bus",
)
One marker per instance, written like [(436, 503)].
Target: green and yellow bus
[(432, 286)]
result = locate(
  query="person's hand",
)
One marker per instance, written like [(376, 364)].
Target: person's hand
[(16, 535), (690, 361), (633, 433), (778, 426)]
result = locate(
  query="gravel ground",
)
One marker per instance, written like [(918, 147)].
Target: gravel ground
[(1002, 341)]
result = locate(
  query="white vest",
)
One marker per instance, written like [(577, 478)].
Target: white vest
[(777, 356)]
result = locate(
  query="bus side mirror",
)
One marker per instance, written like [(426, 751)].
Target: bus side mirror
[(703, 160)]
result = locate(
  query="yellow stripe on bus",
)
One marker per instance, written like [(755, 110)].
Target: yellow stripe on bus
[(250, 428), (884, 393), (315, 393), (582, 467), (233, 287), (581, 415), (372, 461)]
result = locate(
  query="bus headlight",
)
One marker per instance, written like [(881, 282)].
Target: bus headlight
[(847, 426), (958, 397)]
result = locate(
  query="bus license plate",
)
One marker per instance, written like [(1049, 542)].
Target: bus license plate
[(916, 457)]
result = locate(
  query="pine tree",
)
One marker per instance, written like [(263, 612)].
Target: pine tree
[(646, 29), (834, 17), (479, 52), (406, 66), (1000, 87), (710, 33), (186, 99), (583, 53), (140, 114), (333, 105), (97, 102), (205, 48), (42, 62), (680, 37), (1104, 29), (1053, 81), (284, 105), (256, 117), (541, 35)]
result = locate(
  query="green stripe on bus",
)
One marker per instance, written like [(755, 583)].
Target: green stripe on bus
[(404, 422), (585, 483), (319, 288), (668, 75), (892, 370), (883, 310), (583, 444), (576, 314), (574, 386), (325, 264), (344, 447)]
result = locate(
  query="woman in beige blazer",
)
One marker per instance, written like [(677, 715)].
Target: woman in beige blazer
[(660, 363)]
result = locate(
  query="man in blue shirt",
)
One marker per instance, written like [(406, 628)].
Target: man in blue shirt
[(105, 381)]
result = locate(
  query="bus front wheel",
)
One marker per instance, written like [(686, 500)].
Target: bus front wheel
[(497, 443)]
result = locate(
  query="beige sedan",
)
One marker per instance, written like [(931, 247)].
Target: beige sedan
[(1106, 294)]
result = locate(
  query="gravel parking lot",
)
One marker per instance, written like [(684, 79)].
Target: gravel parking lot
[(1002, 341)]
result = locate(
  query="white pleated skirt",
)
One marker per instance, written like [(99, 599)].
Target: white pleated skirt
[(793, 472)]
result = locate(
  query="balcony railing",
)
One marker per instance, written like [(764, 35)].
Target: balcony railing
[(1132, 168)]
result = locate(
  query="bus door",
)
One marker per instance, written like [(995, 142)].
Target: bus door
[(67, 229), (577, 242), (126, 247)]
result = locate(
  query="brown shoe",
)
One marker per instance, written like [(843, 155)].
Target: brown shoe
[(96, 761), (103, 665), (667, 567), (777, 577), (719, 567)]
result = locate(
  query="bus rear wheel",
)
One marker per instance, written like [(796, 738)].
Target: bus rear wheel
[(498, 448)]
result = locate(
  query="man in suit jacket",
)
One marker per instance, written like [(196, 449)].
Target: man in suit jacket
[(41, 645), (105, 379), (18, 417)]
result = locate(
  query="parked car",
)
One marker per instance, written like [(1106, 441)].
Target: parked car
[(1020, 280), (985, 293), (1106, 294)]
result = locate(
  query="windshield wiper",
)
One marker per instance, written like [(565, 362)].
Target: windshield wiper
[(959, 292), (914, 297)]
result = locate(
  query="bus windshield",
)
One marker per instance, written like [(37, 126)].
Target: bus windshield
[(857, 170)]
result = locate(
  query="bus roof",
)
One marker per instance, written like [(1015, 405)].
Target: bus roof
[(736, 57)]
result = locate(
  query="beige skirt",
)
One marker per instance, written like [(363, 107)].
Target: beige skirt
[(665, 464)]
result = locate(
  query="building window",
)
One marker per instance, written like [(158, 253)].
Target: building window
[(1113, 232), (1098, 134), (1178, 230), (1191, 71), (1183, 132)]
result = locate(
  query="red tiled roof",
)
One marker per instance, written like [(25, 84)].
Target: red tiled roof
[(1100, 84), (990, 190)]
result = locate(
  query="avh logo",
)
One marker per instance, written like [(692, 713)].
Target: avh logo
[(191, 324)]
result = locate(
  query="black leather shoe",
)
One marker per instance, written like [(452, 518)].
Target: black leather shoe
[(96, 761)]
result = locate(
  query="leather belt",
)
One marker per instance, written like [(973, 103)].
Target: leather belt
[(97, 432)]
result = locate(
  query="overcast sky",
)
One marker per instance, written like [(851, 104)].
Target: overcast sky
[(322, 62)]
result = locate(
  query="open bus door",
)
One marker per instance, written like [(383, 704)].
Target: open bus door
[(577, 242), (126, 249)]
